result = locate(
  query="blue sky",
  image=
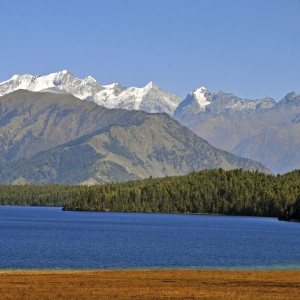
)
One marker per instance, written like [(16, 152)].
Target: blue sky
[(248, 47)]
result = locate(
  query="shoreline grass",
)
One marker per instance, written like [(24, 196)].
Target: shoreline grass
[(149, 284)]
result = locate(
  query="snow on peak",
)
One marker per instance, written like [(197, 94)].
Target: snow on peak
[(59, 82), (199, 96), (59, 73), (90, 79), (151, 85), (111, 86), (15, 77), (148, 98), (17, 82)]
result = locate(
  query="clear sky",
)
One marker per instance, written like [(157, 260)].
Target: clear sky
[(248, 47)]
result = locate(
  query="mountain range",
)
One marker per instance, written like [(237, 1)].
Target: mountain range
[(261, 130), (149, 98), (49, 137)]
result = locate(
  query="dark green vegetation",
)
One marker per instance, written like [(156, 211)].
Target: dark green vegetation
[(291, 211), (37, 195), (234, 192), (48, 138)]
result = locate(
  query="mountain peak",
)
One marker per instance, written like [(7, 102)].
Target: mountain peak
[(201, 89), (112, 86), (15, 77), (292, 95), (151, 85), (58, 74), (199, 96), (290, 98), (149, 98), (19, 77), (90, 79)]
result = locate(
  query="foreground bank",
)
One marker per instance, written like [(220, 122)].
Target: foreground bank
[(150, 284)]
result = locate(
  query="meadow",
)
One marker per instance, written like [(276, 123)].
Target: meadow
[(149, 284)]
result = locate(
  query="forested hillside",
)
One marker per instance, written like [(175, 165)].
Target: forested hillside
[(234, 192), (37, 195)]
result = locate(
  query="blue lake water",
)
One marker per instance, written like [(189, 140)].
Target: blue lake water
[(40, 237)]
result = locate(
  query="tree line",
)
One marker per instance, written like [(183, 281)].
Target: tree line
[(235, 192), (37, 195)]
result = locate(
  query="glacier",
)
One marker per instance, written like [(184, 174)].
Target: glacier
[(149, 98)]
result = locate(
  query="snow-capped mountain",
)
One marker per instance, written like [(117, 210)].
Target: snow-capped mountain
[(60, 82), (262, 129), (149, 98), (201, 100)]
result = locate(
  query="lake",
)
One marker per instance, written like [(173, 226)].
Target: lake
[(49, 238)]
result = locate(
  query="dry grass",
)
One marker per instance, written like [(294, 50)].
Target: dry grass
[(150, 284)]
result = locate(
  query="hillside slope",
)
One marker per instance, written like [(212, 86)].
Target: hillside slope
[(50, 138), (262, 130), (31, 122)]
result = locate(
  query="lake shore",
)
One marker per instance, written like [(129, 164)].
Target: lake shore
[(149, 284)]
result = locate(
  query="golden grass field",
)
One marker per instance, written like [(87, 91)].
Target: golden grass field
[(150, 284)]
